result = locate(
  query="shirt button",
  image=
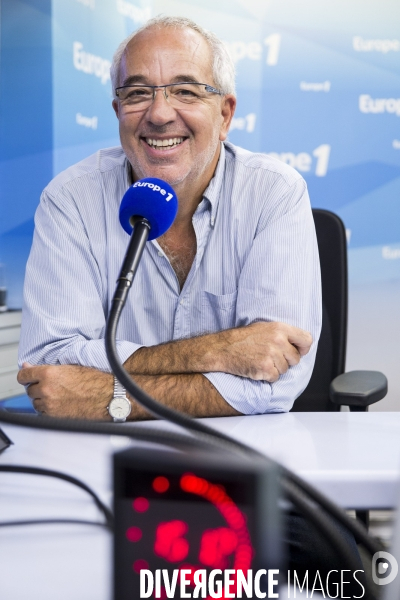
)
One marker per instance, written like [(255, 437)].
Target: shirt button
[(182, 302), (160, 253)]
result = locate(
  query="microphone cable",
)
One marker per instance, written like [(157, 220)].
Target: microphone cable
[(109, 518)]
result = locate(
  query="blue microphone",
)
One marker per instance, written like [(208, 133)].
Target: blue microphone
[(152, 199), (147, 210)]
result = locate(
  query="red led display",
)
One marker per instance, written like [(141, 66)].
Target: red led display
[(134, 534), (160, 484), (220, 547), (140, 504), (140, 564), (170, 543), (216, 545)]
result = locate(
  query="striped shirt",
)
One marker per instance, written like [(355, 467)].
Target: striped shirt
[(257, 260)]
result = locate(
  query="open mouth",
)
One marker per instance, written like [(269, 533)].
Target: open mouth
[(166, 144)]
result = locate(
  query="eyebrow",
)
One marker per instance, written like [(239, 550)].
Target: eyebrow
[(141, 79)]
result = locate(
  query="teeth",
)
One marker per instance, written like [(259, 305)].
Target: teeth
[(164, 143)]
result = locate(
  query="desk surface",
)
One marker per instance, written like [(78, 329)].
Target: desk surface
[(353, 457)]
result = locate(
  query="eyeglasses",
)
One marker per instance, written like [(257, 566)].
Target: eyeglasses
[(140, 97)]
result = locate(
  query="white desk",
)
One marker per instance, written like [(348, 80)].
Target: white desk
[(353, 457)]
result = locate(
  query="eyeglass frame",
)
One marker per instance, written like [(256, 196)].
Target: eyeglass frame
[(209, 88)]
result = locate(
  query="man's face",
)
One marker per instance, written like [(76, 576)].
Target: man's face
[(161, 56)]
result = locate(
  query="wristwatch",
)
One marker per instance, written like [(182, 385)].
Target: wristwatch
[(120, 406)]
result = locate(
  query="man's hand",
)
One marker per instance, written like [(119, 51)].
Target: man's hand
[(75, 392), (68, 391), (260, 351)]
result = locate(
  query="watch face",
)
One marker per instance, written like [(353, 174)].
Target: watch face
[(120, 408)]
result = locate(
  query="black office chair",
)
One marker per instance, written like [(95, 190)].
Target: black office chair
[(330, 387)]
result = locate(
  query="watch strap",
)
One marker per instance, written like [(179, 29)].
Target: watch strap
[(119, 389)]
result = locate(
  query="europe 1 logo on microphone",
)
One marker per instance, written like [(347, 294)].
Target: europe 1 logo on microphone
[(159, 208), (155, 188)]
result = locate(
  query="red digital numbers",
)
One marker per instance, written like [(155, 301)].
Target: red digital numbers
[(160, 484), (170, 543), (220, 548), (215, 547)]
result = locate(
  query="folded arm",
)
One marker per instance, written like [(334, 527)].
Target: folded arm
[(172, 372)]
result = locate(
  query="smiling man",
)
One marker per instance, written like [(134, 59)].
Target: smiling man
[(225, 312)]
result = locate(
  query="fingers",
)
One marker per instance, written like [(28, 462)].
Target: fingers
[(28, 374), (265, 350), (273, 374), (280, 364), (268, 371), (301, 339), (34, 392), (281, 332), (277, 364), (292, 355), (291, 341)]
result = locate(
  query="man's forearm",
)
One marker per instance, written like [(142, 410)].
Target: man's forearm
[(76, 392), (260, 351), (190, 394), (192, 355)]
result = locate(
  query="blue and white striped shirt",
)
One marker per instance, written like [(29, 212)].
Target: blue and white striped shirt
[(257, 260)]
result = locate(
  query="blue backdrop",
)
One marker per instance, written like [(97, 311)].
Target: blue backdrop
[(318, 86)]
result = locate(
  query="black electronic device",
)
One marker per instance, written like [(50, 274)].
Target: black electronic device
[(176, 512)]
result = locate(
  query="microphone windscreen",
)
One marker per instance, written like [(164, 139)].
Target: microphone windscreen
[(153, 199)]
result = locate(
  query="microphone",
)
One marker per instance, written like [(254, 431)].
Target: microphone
[(152, 199), (147, 210)]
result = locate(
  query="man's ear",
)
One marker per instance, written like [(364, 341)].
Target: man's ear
[(115, 106), (227, 111)]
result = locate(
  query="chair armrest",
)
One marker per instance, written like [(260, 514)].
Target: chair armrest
[(358, 388)]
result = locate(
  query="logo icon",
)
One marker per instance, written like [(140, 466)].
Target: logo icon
[(384, 568)]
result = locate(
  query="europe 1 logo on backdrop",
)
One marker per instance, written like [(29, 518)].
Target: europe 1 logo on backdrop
[(254, 50), (90, 64), (304, 162), (247, 123)]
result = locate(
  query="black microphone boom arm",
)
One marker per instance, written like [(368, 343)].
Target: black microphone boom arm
[(132, 258)]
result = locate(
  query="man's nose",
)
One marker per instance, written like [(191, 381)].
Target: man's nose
[(160, 111)]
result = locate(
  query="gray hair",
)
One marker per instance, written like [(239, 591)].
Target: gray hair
[(223, 67)]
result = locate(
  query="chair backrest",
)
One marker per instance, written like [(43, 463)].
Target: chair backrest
[(331, 353)]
